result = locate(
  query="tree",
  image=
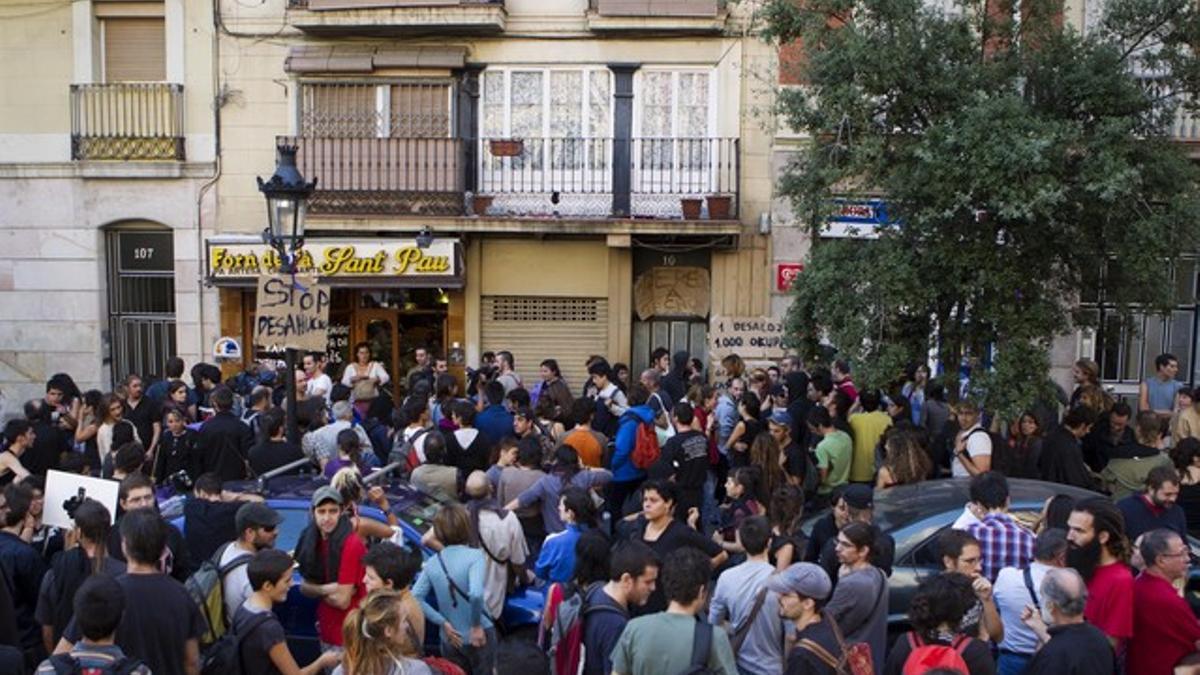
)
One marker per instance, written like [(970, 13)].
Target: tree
[(1024, 165)]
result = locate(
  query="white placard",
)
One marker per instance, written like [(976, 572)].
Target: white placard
[(61, 486)]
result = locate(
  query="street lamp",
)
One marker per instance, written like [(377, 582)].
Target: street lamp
[(425, 238), (287, 193)]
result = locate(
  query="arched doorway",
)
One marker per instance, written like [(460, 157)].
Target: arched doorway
[(141, 298)]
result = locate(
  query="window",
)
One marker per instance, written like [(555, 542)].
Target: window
[(546, 103), (674, 104), (134, 49), (375, 110)]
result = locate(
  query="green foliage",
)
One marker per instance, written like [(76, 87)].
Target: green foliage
[(1021, 159)]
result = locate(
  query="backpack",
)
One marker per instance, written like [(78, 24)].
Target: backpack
[(65, 664), (926, 657), (405, 450), (562, 632), (998, 442), (645, 446), (207, 590), (225, 656), (854, 659), (701, 646)]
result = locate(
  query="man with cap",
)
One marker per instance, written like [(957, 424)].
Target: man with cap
[(329, 555), (803, 589), (857, 505), (256, 525)]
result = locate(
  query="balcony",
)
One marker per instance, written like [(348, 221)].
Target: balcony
[(547, 178), (127, 121), (387, 18), (658, 16), (381, 176)]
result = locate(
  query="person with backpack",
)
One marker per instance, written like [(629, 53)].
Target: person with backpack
[(100, 605), (860, 602), (632, 574), (742, 599), (409, 443), (546, 491), (455, 575), (802, 589), (673, 641), (261, 645), (257, 526), (635, 449), (935, 640), (972, 445), (161, 624), (70, 568)]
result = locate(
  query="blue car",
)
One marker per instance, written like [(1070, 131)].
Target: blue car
[(291, 497)]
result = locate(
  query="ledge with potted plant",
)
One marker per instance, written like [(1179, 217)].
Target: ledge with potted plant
[(506, 147), (691, 207), (719, 206)]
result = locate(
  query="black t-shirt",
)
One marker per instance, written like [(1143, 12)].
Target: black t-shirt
[(976, 653), (684, 456), (144, 417), (823, 530), (272, 455), (181, 558), (1074, 649), (676, 536), (209, 525), (801, 661), (795, 463), (159, 619), (256, 646)]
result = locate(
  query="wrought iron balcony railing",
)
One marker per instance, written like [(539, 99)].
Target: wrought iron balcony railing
[(127, 121)]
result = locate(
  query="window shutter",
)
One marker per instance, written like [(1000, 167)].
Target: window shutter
[(135, 49)]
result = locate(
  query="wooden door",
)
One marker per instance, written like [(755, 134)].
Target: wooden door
[(378, 328)]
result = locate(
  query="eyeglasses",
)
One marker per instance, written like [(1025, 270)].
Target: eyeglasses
[(1174, 555)]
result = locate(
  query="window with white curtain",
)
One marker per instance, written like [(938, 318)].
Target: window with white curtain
[(674, 118)]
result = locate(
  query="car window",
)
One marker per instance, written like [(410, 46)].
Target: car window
[(294, 522)]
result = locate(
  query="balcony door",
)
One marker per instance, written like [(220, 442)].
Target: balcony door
[(563, 118), (675, 153)]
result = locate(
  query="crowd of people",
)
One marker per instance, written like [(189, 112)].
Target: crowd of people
[(659, 516)]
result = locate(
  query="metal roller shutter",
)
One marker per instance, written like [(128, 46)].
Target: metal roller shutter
[(538, 328), (135, 50)]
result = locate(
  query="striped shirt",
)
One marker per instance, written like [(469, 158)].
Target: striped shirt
[(1002, 542)]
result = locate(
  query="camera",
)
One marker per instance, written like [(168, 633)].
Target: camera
[(181, 482), (72, 505)]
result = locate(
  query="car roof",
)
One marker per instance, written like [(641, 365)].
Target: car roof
[(901, 505)]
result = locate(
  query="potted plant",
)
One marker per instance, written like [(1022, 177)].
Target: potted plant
[(507, 147), (719, 207), (481, 203), (691, 208)]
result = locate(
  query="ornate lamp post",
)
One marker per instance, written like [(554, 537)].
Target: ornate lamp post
[(287, 195)]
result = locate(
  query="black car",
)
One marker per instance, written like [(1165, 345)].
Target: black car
[(914, 515)]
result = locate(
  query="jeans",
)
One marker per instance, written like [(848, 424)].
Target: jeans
[(1012, 663), (474, 660)]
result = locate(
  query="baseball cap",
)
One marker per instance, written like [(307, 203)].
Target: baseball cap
[(781, 417), (326, 493), (806, 579), (859, 496), (255, 514)]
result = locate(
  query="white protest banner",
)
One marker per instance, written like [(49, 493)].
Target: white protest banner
[(292, 313), (64, 491), (747, 336)]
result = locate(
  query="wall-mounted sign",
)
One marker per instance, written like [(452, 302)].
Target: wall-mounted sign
[(672, 291), (227, 347), (146, 251), (292, 313), (785, 274), (857, 219), (747, 336), (343, 262)]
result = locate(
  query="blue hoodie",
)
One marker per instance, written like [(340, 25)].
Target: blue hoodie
[(622, 459)]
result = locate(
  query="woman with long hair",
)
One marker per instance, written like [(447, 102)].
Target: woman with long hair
[(733, 366), (764, 454), (364, 375), (113, 410), (1018, 458), (914, 389), (377, 636), (349, 484), (904, 462), (1186, 457), (749, 423), (1086, 374), (441, 407), (91, 414), (784, 512), (177, 399)]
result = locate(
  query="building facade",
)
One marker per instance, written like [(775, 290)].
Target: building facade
[(107, 145), (589, 171)]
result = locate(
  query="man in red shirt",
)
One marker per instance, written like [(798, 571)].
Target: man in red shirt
[(329, 555), (1164, 628), (1098, 551)]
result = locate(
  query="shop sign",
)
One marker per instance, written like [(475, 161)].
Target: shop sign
[(672, 291), (292, 313), (335, 259), (857, 219), (747, 336), (785, 274)]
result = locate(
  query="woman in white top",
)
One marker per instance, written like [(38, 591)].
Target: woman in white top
[(362, 368), (113, 410)]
